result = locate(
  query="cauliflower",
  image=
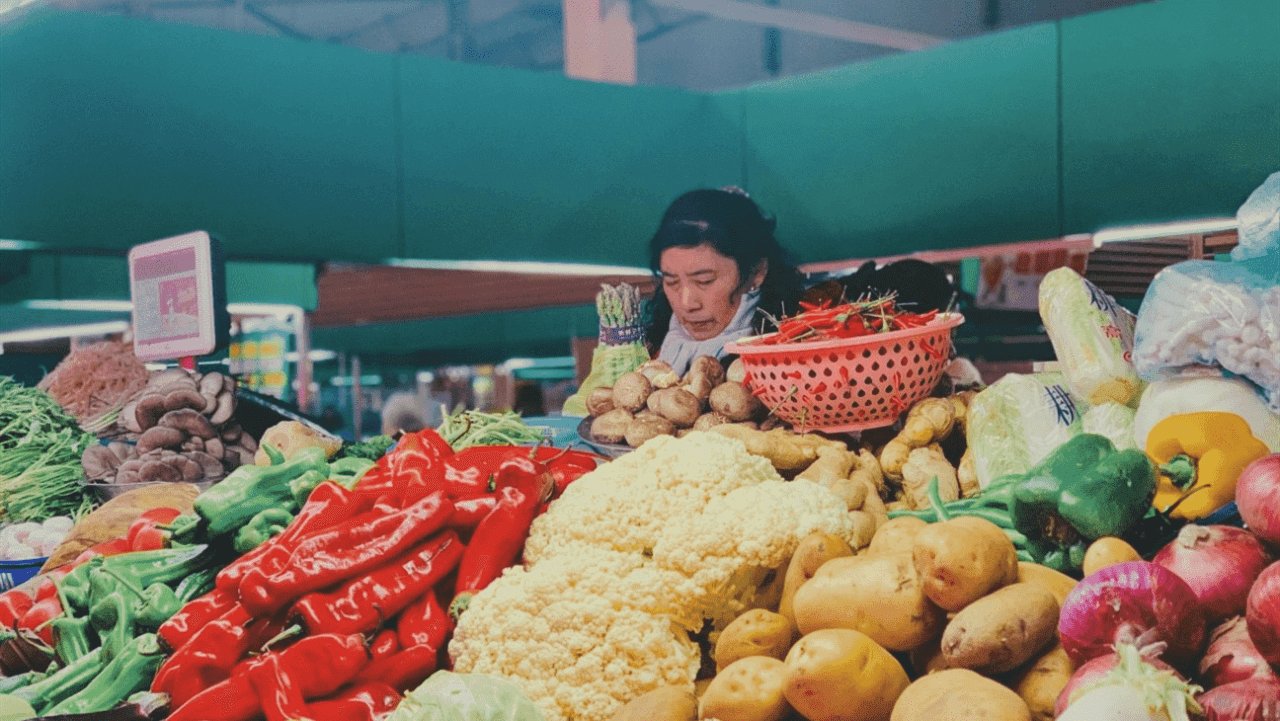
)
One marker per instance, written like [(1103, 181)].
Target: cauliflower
[(631, 559), (580, 634), (628, 503)]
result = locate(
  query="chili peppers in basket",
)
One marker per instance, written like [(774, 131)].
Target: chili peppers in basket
[(829, 321)]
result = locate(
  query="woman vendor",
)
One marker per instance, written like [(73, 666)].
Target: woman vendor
[(720, 271)]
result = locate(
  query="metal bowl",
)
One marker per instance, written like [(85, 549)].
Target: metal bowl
[(610, 450)]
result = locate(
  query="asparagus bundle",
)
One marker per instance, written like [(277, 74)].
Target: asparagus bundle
[(621, 348)]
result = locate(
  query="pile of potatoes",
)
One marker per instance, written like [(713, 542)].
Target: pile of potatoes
[(931, 622), (654, 401)]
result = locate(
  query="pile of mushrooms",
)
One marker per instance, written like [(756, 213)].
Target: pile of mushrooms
[(184, 429), (654, 401)]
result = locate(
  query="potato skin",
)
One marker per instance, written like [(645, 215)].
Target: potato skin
[(1059, 584), (879, 595), (897, 535), (750, 689), (669, 703), (755, 633), (962, 560), (838, 674), (814, 550), (959, 695), (1042, 682), (1002, 631)]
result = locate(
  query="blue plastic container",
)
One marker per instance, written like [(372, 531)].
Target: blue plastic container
[(16, 573)]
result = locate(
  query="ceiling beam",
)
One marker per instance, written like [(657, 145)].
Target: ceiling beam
[(804, 22)]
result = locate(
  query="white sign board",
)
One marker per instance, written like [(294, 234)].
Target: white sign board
[(177, 301)]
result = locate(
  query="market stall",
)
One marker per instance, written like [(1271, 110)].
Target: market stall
[(838, 525)]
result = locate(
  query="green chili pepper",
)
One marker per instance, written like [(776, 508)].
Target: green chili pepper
[(249, 490), (129, 672), (274, 456), (9, 684), (74, 587), (348, 471), (44, 694), (262, 528), (196, 585), (72, 637), (114, 618)]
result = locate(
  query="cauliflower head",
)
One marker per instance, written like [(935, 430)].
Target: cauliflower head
[(627, 504), (581, 634)]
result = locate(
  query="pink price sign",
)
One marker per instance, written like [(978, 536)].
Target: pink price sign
[(179, 297)]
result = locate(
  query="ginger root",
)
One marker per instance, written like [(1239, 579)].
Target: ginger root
[(922, 466), (784, 449), (967, 474), (929, 421)]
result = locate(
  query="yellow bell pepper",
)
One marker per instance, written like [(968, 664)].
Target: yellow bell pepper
[(1200, 456)]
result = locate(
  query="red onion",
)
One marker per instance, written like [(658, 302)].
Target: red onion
[(1219, 563), (1232, 656), (1263, 614), (1100, 667), (1257, 699), (1136, 602), (1258, 498)]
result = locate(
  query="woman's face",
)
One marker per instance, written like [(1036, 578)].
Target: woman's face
[(703, 288)]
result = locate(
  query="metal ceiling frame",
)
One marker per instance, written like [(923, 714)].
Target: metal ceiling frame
[(805, 22)]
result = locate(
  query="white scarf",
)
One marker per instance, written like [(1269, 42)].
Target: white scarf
[(679, 348)]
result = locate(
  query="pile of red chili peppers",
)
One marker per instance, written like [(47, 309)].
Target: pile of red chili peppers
[(828, 321), (346, 608)]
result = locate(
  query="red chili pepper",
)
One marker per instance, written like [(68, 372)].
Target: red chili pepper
[(568, 466), (37, 617), (367, 602), (328, 505), (415, 469), (210, 655), (403, 671), (192, 617), (384, 644), (424, 623), (469, 512), (470, 472), (494, 545), (114, 547), (149, 539), (362, 702), (148, 522), (278, 692), (14, 604), (344, 551), (47, 587)]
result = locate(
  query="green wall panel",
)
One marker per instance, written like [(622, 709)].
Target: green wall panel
[(951, 147), (115, 131), (1170, 110), (524, 166), (487, 337)]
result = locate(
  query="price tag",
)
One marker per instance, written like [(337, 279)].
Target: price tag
[(179, 295)]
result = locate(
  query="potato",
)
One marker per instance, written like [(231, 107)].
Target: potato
[(959, 695), (707, 421), (755, 633), (630, 391), (113, 518), (1108, 551), (750, 689), (1059, 584), (928, 658), (660, 373), (641, 430), (676, 405), (1000, 632), (814, 550), (879, 595), (838, 674), (600, 401), (897, 535), (1040, 684), (734, 401), (705, 373), (736, 372), (612, 426), (962, 560), (669, 703)]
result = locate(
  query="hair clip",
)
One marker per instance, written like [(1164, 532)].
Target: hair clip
[(735, 190)]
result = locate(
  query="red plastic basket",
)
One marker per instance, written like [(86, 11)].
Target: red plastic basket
[(849, 384)]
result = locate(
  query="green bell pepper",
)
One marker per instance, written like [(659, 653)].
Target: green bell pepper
[(261, 528), (249, 490), (50, 691), (129, 672)]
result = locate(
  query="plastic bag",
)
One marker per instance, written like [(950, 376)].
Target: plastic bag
[(1113, 421), (1258, 222), (1092, 336), (1199, 313), (448, 696), (1019, 420)]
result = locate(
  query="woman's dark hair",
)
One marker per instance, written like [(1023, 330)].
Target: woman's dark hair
[(731, 223)]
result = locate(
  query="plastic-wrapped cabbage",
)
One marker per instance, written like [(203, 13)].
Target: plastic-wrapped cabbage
[(1113, 421), (1019, 420), (1258, 222), (1225, 315), (1092, 336), (448, 696)]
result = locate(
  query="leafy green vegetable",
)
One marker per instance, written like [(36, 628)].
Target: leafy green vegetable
[(40, 449), (474, 428), (372, 449), (448, 696)]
